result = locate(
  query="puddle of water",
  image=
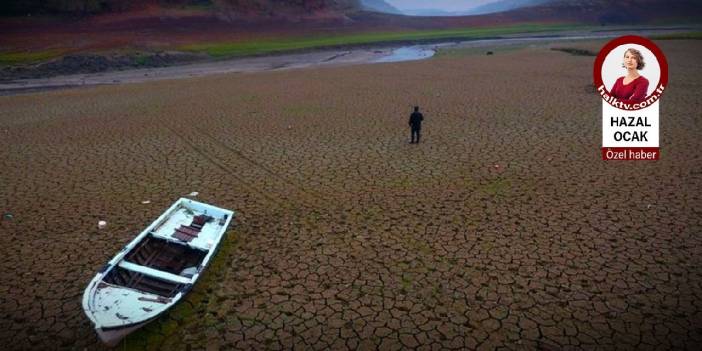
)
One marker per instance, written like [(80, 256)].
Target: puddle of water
[(407, 53)]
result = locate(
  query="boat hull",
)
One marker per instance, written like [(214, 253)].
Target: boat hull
[(112, 337), (156, 270)]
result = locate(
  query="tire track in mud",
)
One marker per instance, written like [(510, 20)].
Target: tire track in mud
[(223, 167), (281, 201), (301, 188)]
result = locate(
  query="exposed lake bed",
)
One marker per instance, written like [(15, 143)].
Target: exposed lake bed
[(502, 228)]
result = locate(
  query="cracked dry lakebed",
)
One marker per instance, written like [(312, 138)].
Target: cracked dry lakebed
[(502, 228)]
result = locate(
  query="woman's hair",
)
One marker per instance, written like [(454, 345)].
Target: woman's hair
[(640, 64)]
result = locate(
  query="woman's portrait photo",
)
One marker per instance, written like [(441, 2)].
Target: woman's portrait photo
[(631, 72)]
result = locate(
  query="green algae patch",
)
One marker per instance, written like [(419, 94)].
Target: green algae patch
[(166, 331), (678, 36), (26, 57), (497, 187), (274, 45)]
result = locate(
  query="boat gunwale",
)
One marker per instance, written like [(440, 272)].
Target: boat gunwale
[(91, 290)]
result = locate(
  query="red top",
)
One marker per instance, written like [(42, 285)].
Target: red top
[(630, 93)]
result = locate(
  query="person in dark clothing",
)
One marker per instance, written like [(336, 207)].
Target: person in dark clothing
[(415, 122)]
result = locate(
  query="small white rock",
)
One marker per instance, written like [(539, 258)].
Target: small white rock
[(102, 224), (194, 193)]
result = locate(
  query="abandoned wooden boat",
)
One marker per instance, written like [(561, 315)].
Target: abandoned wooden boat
[(155, 270)]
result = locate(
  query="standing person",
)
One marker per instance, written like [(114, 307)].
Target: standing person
[(415, 122)]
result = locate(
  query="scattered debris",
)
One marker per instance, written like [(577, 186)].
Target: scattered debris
[(146, 202), (7, 216), (289, 127), (194, 193), (489, 53), (102, 224), (497, 166), (648, 206)]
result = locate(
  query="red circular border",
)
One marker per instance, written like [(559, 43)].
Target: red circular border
[(630, 39)]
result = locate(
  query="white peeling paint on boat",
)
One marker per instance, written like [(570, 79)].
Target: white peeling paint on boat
[(116, 310)]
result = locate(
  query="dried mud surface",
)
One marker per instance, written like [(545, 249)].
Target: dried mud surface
[(502, 228)]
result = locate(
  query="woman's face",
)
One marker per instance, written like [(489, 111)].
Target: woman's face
[(630, 61)]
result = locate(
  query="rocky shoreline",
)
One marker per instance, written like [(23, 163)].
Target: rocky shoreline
[(96, 63)]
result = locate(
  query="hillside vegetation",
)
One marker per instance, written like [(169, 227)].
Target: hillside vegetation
[(243, 7)]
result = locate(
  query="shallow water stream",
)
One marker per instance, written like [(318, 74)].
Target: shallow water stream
[(408, 53)]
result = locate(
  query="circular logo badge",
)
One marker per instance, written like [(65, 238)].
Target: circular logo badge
[(630, 72)]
